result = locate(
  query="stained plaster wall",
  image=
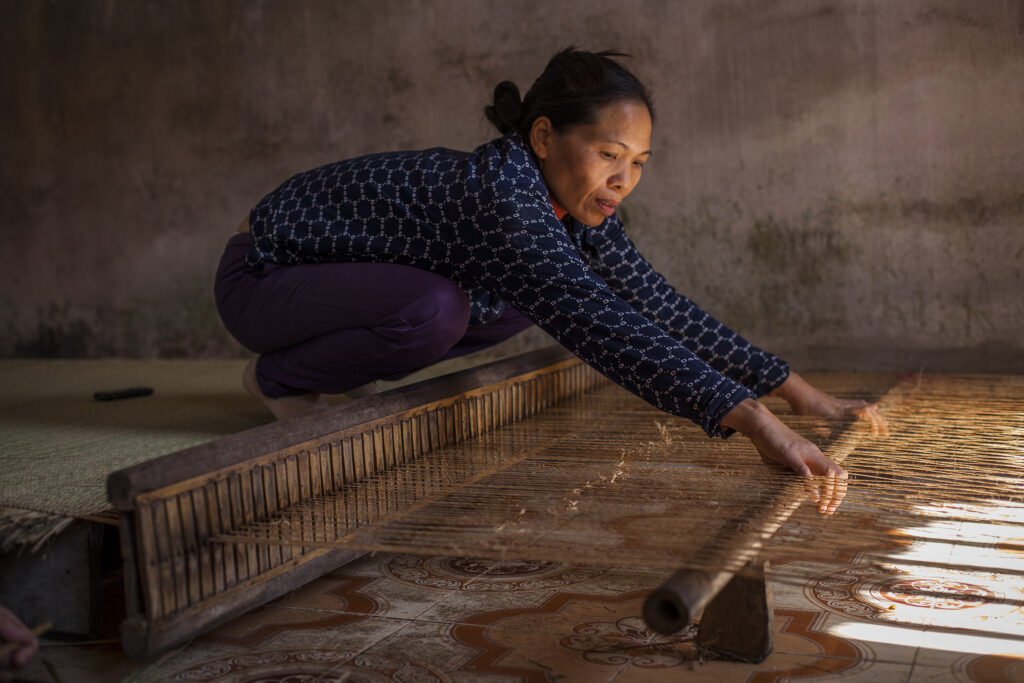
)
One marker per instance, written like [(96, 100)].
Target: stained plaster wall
[(840, 181)]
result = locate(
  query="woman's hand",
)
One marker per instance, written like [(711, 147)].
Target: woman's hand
[(806, 400), (778, 444), (13, 631)]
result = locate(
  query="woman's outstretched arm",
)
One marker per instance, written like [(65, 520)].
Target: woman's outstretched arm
[(614, 257), (805, 399)]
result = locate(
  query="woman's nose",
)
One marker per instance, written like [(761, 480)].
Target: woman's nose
[(621, 183)]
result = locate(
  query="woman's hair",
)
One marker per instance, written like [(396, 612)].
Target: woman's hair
[(574, 86)]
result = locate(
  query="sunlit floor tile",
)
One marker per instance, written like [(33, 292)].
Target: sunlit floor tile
[(775, 668)]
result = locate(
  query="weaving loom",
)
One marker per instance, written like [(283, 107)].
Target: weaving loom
[(539, 457)]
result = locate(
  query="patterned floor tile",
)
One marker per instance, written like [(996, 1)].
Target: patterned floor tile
[(379, 596), (889, 643), (434, 647), (525, 586), (897, 609), (367, 565), (332, 593), (260, 627), (534, 656), (272, 664), (929, 674), (946, 647), (609, 631), (403, 617), (989, 668), (970, 668), (777, 668), (275, 640), (555, 612), (459, 608)]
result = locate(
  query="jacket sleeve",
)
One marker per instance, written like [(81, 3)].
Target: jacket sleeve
[(523, 254), (614, 257)]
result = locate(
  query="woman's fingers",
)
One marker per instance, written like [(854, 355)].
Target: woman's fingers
[(824, 480), (13, 631), (835, 487), (828, 485), (865, 411), (831, 481), (806, 400), (777, 444), (828, 481), (813, 490), (869, 412), (827, 491)]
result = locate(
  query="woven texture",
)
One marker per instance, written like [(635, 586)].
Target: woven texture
[(58, 444)]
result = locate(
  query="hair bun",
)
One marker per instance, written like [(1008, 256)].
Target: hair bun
[(507, 110)]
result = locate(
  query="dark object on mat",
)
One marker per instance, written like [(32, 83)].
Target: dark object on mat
[(122, 393)]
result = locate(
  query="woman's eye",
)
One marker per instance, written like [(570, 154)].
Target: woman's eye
[(638, 164), (608, 155)]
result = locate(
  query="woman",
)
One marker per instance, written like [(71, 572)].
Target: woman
[(377, 266)]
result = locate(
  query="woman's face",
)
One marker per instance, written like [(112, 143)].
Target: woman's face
[(590, 168)]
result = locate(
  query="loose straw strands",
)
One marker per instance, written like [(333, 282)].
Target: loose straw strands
[(607, 480)]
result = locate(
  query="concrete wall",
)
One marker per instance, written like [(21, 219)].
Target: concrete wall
[(840, 181)]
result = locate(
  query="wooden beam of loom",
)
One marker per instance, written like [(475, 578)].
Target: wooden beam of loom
[(179, 582)]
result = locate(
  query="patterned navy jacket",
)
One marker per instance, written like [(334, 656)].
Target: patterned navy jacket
[(484, 220)]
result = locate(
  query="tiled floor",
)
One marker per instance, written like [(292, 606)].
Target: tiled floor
[(405, 618)]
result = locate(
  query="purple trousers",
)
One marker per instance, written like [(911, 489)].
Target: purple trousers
[(331, 327)]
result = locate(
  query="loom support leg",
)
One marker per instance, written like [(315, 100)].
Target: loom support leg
[(738, 623)]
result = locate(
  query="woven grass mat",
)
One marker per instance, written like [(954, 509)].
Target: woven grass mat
[(58, 444)]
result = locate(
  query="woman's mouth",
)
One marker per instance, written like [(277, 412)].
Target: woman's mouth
[(607, 207)]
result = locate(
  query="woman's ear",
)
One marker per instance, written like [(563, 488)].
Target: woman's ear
[(541, 134)]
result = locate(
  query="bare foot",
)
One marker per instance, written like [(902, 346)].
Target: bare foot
[(368, 389), (286, 406)]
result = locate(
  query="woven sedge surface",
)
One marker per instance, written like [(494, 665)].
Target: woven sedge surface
[(58, 445), (606, 479)]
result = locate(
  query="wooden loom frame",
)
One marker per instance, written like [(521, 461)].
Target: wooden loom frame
[(179, 583)]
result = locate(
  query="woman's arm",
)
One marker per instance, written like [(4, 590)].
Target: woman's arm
[(807, 400), (613, 256), (523, 254)]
